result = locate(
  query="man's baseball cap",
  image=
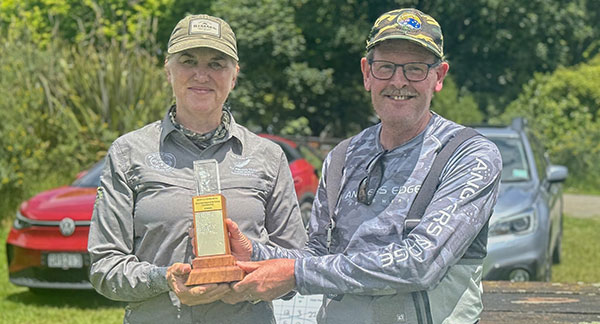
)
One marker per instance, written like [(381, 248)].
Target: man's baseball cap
[(409, 24), (203, 31)]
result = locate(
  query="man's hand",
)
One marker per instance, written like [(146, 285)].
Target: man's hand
[(266, 280), (177, 275), (234, 297), (241, 246)]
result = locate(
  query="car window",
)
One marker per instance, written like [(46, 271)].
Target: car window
[(539, 156), (514, 161), (92, 178)]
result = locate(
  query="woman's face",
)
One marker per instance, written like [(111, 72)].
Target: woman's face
[(201, 79)]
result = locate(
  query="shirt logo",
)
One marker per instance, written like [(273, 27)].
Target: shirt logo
[(161, 161), (239, 166)]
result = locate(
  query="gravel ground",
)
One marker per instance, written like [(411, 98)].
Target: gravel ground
[(582, 206)]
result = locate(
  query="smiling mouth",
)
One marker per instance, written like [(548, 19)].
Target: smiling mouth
[(199, 90), (400, 97)]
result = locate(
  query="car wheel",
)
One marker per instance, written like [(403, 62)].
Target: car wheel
[(557, 252), (547, 276), (305, 210)]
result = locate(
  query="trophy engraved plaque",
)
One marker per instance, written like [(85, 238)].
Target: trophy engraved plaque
[(213, 262)]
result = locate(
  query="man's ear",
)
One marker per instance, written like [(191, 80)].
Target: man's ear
[(364, 67), (237, 71), (441, 72)]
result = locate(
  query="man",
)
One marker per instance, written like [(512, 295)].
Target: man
[(370, 272)]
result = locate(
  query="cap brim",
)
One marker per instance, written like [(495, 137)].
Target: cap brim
[(408, 38), (198, 43)]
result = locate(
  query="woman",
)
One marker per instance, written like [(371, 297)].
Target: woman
[(139, 240)]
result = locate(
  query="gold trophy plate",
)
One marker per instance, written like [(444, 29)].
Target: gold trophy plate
[(214, 262)]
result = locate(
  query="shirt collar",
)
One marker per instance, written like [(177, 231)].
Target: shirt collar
[(168, 127)]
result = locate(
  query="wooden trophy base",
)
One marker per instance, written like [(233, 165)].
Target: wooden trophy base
[(214, 269)]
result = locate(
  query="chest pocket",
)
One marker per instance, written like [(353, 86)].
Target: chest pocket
[(244, 185), (150, 182)]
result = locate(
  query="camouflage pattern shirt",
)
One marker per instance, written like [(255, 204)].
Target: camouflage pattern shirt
[(368, 256)]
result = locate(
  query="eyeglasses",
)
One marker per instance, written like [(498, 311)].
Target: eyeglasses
[(413, 71), (367, 188)]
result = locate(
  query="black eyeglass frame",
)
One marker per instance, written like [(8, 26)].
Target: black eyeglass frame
[(429, 66)]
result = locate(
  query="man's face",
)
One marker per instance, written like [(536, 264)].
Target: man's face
[(201, 79), (398, 101)]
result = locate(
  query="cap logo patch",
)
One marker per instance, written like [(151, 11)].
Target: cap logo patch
[(204, 26), (409, 22)]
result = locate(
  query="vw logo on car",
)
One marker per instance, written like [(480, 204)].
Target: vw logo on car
[(66, 226)]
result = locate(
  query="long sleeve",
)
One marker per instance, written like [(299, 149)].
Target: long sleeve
[(115, 271), (378, 257)]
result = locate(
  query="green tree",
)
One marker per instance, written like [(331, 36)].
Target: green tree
[(63, 104), (456, 104), (495, 46), (87, 20), (563, 109), (300, 70)]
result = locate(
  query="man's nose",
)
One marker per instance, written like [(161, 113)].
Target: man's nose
[(398, 77)]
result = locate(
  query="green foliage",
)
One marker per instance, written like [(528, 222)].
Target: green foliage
[(495, 46), (457, 105), (563, 109), (300, 70), (64, 104), (75, 20), (300, 58), (279, 87)]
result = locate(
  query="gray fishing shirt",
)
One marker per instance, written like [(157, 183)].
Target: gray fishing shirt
[(370, 263), (143, 213)]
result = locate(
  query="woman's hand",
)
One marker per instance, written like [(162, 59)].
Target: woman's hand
[(241, 246), (177, 275)]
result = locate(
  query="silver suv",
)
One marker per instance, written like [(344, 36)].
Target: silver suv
[(525, 231)]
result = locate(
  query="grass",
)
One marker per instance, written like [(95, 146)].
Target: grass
[(19, 305), (581, 251), (581, 261)]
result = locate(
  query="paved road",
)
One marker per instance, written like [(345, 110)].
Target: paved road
[(582, 206)]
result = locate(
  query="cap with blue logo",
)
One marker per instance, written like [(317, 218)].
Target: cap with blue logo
[(409, 24)]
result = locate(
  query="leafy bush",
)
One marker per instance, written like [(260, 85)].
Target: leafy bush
[(62, 105), (563, 109), (456, 104), (131, 22)]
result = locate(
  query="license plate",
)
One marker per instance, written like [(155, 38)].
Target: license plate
[(65, 260)]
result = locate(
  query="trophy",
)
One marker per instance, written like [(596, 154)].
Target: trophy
[(213, 262)]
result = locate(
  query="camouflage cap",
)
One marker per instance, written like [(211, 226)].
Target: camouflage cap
[(203, 31), (409, 24)]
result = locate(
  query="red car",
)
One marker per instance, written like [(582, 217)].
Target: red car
[(47, 244)]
